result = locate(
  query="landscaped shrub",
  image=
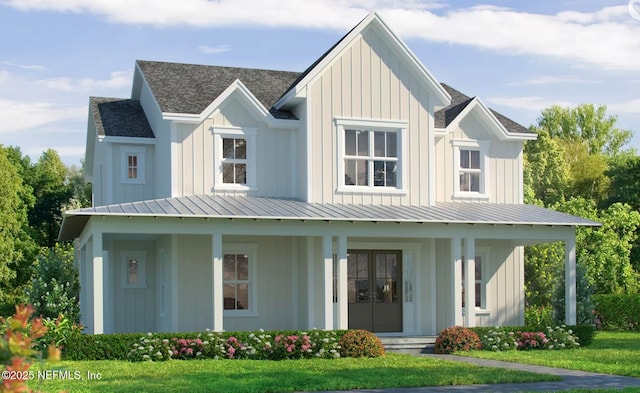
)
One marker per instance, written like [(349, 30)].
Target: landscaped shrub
[(360, 343), (538, 316), (187, 348), (498, 340), (59, 331), (561, 337), (584, 333), (531, 340), (213, 345), (456, 338), (150, 348), (618, 311)]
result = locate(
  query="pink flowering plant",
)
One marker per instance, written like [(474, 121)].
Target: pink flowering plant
[(531, 340), (185, 348)]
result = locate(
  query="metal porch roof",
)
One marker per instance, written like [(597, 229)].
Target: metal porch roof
[(213, 206)]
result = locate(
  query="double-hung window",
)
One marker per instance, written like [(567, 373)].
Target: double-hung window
[(470, 169), (477, 282), (370, 155), (239, 279), (234, 158)]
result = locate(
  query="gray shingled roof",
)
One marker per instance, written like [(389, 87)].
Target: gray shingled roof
[(216, 206), (120, 117), (190, 88), (459, 101)]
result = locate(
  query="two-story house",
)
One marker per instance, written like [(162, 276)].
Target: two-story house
[(360, 193)]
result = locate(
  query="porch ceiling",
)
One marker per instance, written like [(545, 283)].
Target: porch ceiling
[(214, 206)]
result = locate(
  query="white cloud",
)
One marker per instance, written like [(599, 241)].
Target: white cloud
[(118, 80), (527, 103), (21, 115), (631, 106), (606, 38), (214, 50), (30, 67), (552, 79)]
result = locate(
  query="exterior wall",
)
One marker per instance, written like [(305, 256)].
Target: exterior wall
[(118, 191), (276, 168), (368, 81), (134, 309), (504, 164)]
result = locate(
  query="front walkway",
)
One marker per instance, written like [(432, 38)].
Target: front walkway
[(571, 379)]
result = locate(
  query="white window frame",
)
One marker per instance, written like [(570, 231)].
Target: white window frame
[(141, 257), (252, 251), (399, 127), (484, 254), (483, 148), (249, 134), (132, 151)]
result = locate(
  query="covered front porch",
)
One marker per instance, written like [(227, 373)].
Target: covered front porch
[(147, 270)]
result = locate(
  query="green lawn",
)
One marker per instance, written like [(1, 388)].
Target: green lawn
[(230, 376), (611, 353)]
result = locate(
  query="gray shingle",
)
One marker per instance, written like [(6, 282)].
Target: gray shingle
[(190, 88), (120, 117)]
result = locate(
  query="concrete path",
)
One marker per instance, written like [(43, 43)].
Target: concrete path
[(571, 379)]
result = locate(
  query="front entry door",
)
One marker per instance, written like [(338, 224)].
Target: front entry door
[(375, 290)]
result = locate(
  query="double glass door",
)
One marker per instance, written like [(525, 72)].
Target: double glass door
[(375, 290)]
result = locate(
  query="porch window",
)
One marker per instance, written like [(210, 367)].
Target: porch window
[(134, 269), (239, 280), (234, 158), (478, 283), (370, 156)]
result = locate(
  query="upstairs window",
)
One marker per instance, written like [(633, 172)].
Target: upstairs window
[(370, 156), (234, 158), (234, 161), (470, 169), (132, 164)]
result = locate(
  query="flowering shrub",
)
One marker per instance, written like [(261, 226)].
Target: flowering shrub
[(531, 340), (499, 340), (561, 338), (150, 349), (456, 338), (361, 343), (324, 344), (185, 348), (59, 331)]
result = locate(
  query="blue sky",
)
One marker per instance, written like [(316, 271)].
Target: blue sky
[(518, 57)]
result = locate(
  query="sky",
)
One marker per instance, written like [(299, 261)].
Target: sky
[(518, 57)]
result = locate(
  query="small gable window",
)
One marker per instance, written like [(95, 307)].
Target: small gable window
[(132, 163), (470, 169), (234, 158)]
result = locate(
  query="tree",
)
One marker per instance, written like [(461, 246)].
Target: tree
[(546, 172), (13, 218), (588, 172), (52, 193), (587, 124)]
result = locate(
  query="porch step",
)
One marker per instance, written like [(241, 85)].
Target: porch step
[(422, 343)]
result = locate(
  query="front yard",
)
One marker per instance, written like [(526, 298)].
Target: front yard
[(392, 370), (611, 353)]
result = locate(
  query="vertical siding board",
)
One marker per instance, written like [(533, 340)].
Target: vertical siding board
[(325, 142), (356, 78), (376, 77), (365, 72)]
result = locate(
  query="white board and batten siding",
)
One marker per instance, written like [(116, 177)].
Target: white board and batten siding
[(503, 164), (195, 159), (367, 81)]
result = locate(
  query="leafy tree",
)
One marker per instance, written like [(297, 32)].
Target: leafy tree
[(588, 172), (584, 302), (80, 190), (546, 172), (13, 219), (543, 263), (588, 124), (55, 288), (52, 193)]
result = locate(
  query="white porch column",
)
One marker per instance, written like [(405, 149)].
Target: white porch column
[(327, 283), (217, 287), (98, 284), (470, 282), (570, 280), (456, 279), (343, 310)]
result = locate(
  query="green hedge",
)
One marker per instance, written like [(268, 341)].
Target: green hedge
[(117, 346), (618, 311), (584, 333)]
